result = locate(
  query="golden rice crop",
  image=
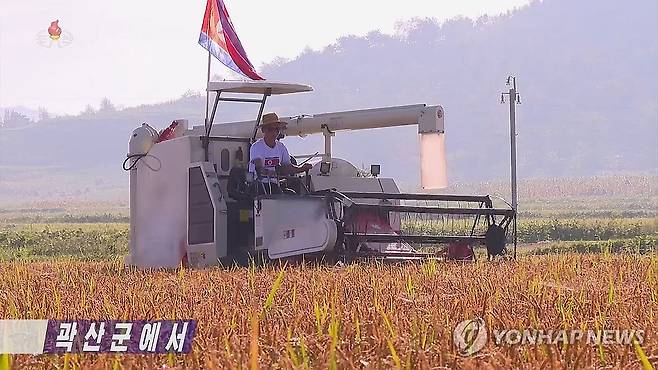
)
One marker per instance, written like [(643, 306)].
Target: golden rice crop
[(358, 316)]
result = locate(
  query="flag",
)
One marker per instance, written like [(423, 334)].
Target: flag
[(219, 38)]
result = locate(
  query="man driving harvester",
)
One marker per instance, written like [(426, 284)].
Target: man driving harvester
[(270, 157)]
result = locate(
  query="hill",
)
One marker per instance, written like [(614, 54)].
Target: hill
[(587, 73)]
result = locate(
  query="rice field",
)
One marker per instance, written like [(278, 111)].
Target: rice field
[(588, 261), (359, 316)]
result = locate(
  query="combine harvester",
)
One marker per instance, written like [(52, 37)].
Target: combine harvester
[(193, 201)]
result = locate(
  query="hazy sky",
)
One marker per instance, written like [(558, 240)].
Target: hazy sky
[(145, 51)]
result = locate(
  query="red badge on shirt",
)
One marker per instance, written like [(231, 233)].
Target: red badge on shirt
[(271, 161)]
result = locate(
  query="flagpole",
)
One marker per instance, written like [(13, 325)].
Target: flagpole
[(208, 69), (207, 91), (207, 124)]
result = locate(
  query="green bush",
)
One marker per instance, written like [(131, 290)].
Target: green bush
[(636, 245), (87, 242)]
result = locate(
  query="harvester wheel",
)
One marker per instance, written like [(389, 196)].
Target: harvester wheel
[(494, 239)]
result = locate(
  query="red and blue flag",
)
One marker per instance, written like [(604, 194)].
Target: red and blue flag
[(219, 38)]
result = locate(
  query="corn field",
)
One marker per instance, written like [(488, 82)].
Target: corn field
[(359, 316)]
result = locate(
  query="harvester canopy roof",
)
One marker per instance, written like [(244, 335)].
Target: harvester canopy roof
[(257, 87)]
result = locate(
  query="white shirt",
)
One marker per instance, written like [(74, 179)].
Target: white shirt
[(271, 157)]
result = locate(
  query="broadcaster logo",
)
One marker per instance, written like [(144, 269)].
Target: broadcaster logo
[(470, 336)]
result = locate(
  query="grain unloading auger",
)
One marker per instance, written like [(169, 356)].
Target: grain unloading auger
[(193, 201)]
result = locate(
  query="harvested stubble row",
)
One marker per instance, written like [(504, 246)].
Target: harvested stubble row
[(359, 316)]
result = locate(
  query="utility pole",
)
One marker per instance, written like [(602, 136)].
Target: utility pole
[(513, 98)]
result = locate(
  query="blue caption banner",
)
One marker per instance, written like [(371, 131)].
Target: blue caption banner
[(116, 336)]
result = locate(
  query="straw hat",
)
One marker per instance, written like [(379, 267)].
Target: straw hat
[(271, 119)]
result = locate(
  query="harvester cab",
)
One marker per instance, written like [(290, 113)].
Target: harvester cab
[(192, 200)]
